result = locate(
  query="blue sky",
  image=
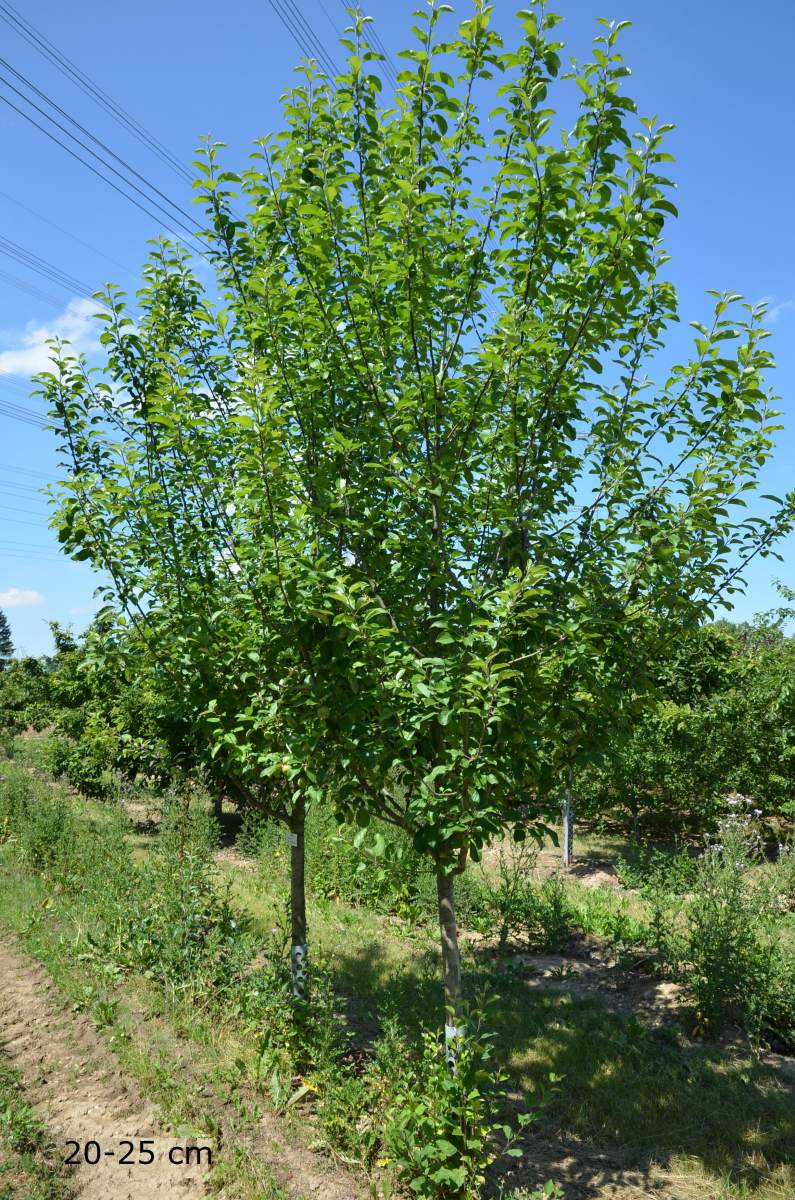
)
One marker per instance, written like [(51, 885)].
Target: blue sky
[(719, 71)]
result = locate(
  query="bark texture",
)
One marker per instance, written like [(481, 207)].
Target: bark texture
[(568, 823), (299, 952), (451, 958)]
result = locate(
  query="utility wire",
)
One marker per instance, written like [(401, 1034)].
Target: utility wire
[(45, 47), (26, 546), (42, 266), (4, 466), (327, 15), (19, 413), (67, 233), (14, 549), (312, 36), (12, 508), (32, 493), (7, 380), (128, 183), (23, 79), (316, 51), (31, 289), (373, 36), (33, 411), (17, 521), (15, 556), (85, 163), (21, 408)]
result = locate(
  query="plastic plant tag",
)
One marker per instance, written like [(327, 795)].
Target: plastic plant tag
[(453, 1032), (299, 961)]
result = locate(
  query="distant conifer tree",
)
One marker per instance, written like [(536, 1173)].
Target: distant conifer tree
[(6, 645)]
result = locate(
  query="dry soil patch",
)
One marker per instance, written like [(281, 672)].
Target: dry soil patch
[(72, 1080)]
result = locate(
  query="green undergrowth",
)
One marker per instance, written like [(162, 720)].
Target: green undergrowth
[(218, 975), (718, 922), (170, 921), (644, 1093)]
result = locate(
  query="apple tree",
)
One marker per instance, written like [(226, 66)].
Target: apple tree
[(407, 497)]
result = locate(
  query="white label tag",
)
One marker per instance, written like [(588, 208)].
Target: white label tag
[(292, 838)]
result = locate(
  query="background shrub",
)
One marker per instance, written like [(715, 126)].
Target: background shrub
[(734, 966)]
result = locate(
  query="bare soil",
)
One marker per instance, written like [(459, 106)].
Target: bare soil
[(73, 1082), (652, 1000)]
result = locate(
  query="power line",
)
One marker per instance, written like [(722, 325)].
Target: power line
[(25, 471), (19, 413), (8, 381), (21, 491), (23, 79), (37, 500), (91, 168), (18, 483), (23, 286), (128, 183), (372, 34), (43, 267), (327, 15), (12, 508), (26, 546), (316, 50), (31, 558), (67, 233), (308, 29), (5, 400), (22, 550), (22, 409), (83, 81)]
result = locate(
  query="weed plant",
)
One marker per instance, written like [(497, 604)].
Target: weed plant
[(653, 871), (26, 1159), (439, 1123), (520, 908)]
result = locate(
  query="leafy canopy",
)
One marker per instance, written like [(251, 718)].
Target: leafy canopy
[(400, 506)]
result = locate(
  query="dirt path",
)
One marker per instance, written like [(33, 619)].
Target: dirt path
[(72, 1080)]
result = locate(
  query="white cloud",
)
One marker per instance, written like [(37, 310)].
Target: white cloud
[(775, 311), (75, 325), (776, 307), (20, 598)]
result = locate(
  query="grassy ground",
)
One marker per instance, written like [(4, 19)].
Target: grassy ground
[(642, 1111), (718, 1120)]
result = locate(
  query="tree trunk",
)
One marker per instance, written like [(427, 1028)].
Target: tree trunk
[(451, 963), (299, 950), (568, 822)]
